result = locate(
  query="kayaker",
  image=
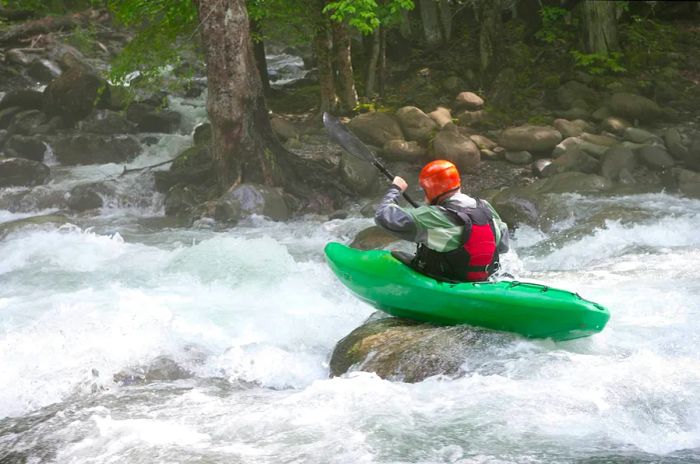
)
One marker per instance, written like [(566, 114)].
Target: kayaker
[(459, 237)]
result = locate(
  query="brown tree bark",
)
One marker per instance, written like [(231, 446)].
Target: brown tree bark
[(488, 13), (323, 46), (431, 21), (372, 64), (260, 59), (243, 141), (343, 66), (599, 21)]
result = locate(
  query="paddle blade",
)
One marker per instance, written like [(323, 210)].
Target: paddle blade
[(341, 135)]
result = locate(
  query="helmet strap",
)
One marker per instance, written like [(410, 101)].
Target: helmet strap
[(444, 195)]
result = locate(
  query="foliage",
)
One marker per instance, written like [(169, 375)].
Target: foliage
[(51, 6), (368, 15), (647, 42), (160, 25), (598, 63), (83, 38), (554, 29)]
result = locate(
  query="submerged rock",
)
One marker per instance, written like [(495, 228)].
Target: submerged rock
[(260, 199), (411, 351), (53, 220), (95, 149), (22, 172), (162, 369)]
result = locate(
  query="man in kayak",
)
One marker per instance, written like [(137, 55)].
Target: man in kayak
[(459, 237)]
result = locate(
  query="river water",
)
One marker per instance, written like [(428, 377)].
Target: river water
[(247, 318)]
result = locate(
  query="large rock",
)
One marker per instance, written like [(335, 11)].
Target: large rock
[(571, 128), (261, 200), (95, 149), (519, 157), (416, 125), (88, 196), (373, 237), (688, 182), (405, 350), (442, 116), (656, 158), (517, 205), (358, 174), (45, 220), (565, 145), (484, 143), (452, 145), (74, 94), (634, 107), (674, 144), (573, 182), (283, 129), (30, 122), (571, 91), (572, 160), (107, 122), (376, 128), (44, 70), (615, 124), (194, 166), (535, 139), (636, 135), (401, 150), (22, 172), (469, 101), (615, 160), (150, 119), (24, 99), (22, 146), (7, 115)]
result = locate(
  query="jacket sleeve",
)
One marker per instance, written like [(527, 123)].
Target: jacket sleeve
[(502, 228), (391, 217)]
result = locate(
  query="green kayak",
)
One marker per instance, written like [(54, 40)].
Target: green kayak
[(528, 309)]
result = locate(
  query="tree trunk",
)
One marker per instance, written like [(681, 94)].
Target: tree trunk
[(488, 13), (260, 59), (445, 20), (382, 62), (343, 64), (242, 139), (323, 45), (431, 23), (372, 63), (599, 26)]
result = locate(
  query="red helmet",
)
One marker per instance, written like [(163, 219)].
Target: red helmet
[(438, 177)]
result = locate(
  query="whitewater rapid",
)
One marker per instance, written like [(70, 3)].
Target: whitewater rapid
[(250, 315)]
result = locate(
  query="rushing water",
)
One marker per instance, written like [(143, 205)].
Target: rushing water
[(251, 314)]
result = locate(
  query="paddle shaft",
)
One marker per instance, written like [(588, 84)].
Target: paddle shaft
[(390, 176)]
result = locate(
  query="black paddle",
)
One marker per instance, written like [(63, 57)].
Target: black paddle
[(351, 144)]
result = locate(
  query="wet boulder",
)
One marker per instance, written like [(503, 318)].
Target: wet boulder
[(688, 182), (31, 122), (161, 369), (376, 128), (373, 237), (43, 70), (454, 146), (194, 166), (674, 143), (484, 143), (572, 182), (7, 115), (22, 172), (656, 157), (94, 149), (573, 160), (181, 200), (73, 95), (24, 99), (402, 150), (637, 135), (202, 134), (615, 160), (107, 122), (518, 205), (259, 199), (149, 118), (404, 350), (88, 196), (415, 124), (359, 175), (46, 220), (633, 106), (22, 146), (535, 139)]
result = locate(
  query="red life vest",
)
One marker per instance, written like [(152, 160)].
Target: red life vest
[(475, 260)]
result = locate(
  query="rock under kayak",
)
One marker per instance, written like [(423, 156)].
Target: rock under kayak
[(532, 310)]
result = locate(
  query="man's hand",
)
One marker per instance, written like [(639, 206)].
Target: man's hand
[(400, 183)]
